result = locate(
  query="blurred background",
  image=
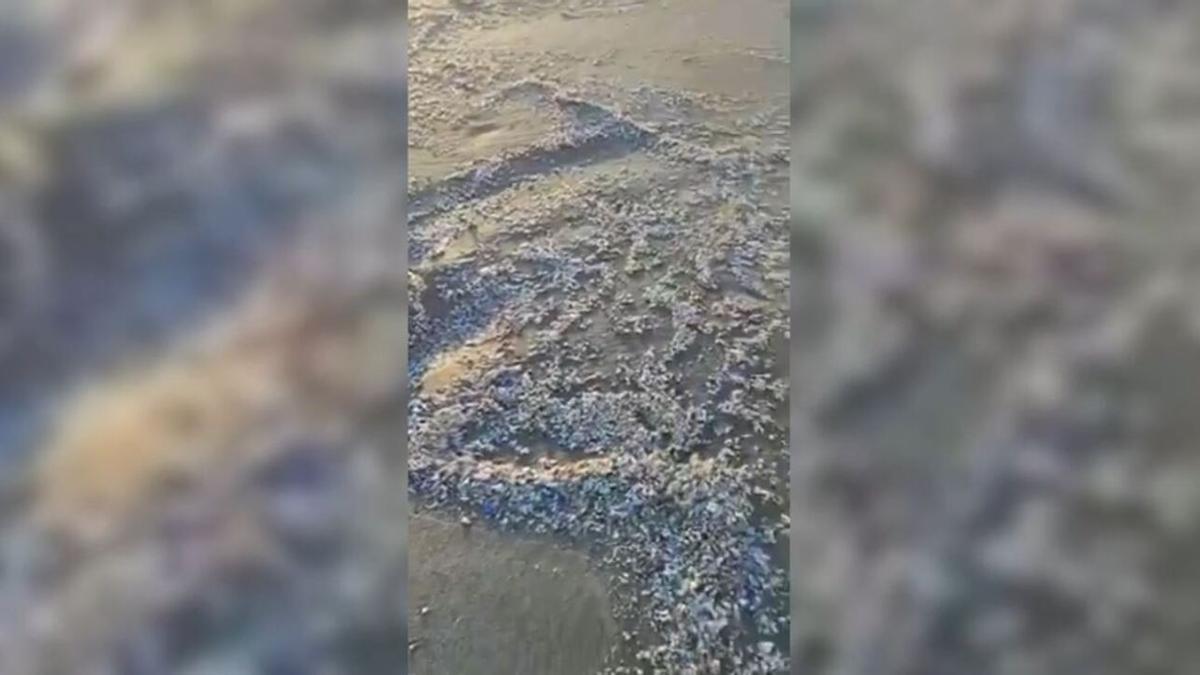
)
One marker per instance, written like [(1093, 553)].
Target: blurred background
[(996, 336), (202, 336)]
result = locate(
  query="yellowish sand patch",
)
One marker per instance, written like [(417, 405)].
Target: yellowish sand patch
[(21, 160), (121, 54), (453, 367), (355, 363), (119, 440), (457, 144), (135, 53)]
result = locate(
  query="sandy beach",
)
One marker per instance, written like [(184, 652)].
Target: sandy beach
[(598, 248)]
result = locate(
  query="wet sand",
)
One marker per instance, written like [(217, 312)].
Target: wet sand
[(499, 605)]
